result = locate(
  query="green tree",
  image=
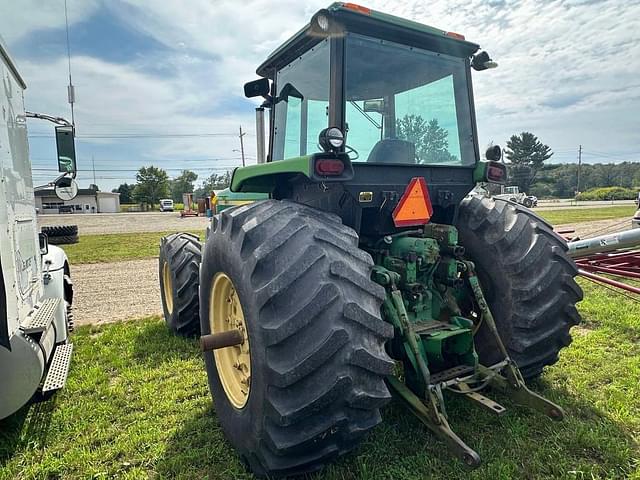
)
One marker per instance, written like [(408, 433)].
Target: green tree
[(153, 184), (431, 140), (214, 182), (126, 192), (183, 183), (526, 155)]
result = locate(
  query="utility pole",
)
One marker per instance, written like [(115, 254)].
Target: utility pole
[(93, 163), (579, 168), (242, 144)]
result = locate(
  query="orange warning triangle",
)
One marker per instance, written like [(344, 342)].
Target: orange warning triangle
[(414, 208)]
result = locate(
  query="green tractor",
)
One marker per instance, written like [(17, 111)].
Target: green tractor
[(373, 267)]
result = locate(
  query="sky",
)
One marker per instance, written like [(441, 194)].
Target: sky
[(160, 81)]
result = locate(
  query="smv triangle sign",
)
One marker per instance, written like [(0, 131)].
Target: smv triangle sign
[(414, 208)]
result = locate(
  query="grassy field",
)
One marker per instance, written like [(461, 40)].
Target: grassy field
[(137, 406), (565, 215), (116, 247)]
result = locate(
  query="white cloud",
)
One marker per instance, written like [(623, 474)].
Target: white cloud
[(19, 18), (568, 69)]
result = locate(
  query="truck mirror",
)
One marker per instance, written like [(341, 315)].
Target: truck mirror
[(66, 188), (257, 88), (65, 145)]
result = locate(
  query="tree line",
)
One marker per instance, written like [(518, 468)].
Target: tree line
[(153, 184)]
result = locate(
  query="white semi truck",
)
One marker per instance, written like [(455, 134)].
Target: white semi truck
[(36, 291)]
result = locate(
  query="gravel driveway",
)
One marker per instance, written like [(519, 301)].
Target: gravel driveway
[(108, 292), (100, 223)]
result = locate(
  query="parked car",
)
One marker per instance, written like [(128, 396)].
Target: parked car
[(166, 205)]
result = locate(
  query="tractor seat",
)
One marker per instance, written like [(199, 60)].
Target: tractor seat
[(393, 150)]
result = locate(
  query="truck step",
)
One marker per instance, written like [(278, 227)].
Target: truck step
[(59, 368), (41, 317)]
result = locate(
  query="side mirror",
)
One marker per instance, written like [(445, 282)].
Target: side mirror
[(65, 144), (494, 153), (257, 88), (44, 243), (66, 188), (375, 106)]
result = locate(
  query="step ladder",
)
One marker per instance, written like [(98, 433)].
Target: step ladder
[(41, 317), (58, 369)]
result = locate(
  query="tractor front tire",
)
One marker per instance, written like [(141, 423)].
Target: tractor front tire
[(527, 278), (308, 382), (179, 264)]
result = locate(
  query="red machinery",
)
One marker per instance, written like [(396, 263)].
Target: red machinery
[(615, 255)]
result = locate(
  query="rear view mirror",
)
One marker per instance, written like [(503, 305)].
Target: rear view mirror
[(66, 188), (65, 145), (257, 88), (376, 106)]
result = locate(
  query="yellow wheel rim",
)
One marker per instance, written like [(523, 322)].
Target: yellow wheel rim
[(233, 363), (167, 285)]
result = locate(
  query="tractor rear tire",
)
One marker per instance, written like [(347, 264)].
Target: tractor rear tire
[(527, 278), (315, 335), (64, 240), (60, 230), (179, 265)]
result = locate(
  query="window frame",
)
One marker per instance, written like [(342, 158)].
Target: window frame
[(337, 100)]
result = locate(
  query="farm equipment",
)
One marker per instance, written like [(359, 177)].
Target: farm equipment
[(370, 267), (616, 255), (188, 211), (36, 292), (513, 194)]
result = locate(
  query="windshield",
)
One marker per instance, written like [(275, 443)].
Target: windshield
[(406, 105), (301, 109)]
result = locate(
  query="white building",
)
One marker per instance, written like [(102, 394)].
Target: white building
[(88, 200)]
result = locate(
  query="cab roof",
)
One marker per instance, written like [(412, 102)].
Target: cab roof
[(353, 18)]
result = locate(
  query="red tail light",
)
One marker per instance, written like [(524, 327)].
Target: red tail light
[(329, 167), (496, 172)]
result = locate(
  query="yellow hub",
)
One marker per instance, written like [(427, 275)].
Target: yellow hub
[(167, 285), (233, 363)]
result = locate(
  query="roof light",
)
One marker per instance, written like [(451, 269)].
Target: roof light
[(357, 8), (459, 36), (323, 22), (331, 139)]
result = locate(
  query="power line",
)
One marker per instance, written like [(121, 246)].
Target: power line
[(140, 135)]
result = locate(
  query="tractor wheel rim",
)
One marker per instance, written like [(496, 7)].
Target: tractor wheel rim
[(167, 285), (233, 363)]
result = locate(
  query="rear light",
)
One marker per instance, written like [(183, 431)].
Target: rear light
[(496, 172), (357, 8), (459, 36), (329, 167)]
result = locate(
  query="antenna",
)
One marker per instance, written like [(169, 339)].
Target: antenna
[(71, 92)]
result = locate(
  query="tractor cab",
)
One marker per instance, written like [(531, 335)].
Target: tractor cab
[(395, 98)]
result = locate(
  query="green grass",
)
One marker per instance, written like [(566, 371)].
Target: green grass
[(116, 247), (137, 405), (565, 215)]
